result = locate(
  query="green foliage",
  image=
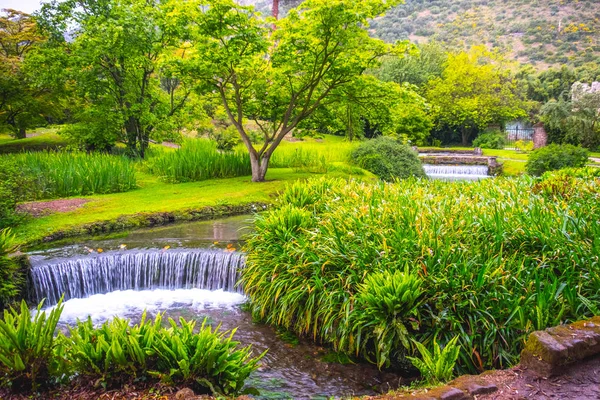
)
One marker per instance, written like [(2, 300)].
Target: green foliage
[(490, 140), (198, 160), (30, 356), (437, 365), (524, 146), (475, 89), (114, 353), (116, 65), (386, 301), (63, 174), (14, 184), (226, 139), (388, 159), (11, 278), (491, 259), (208, 359), (554, 156), (278, 77)]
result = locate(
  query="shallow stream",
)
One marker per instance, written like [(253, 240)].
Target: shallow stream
[(89, 268)]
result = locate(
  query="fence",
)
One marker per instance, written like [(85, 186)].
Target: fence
[(515, 134)]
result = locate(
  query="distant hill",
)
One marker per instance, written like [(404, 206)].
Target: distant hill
[(540, 32)]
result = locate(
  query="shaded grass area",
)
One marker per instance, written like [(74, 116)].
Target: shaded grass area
[(46, 139), (155, 196)]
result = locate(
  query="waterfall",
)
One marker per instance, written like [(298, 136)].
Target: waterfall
[(456, 171), (139, 270)]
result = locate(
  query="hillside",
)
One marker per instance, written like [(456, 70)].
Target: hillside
[(540, 32)]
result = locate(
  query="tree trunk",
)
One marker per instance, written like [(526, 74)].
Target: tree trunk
[(465, 136), (259, 166), (21, 133), (275, 9)]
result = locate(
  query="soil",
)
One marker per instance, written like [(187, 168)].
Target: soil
[(40, 208), (579, 382)]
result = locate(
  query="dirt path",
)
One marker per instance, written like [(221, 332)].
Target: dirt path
[(580, 381), (39, 208)]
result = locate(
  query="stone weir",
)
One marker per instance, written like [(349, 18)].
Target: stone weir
[(460, 158), (84, 276)]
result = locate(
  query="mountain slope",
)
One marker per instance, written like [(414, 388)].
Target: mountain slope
[(540, 32)]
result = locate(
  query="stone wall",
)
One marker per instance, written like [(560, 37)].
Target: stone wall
[(540, 137)]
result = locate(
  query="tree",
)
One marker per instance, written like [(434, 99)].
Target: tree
[(22, 103), (277, 78), (369, 104), (115, 55), (474, 90), (414, 67), (576, 121)]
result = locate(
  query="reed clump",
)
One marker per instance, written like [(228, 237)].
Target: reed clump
[(64, 174), (370, 268)]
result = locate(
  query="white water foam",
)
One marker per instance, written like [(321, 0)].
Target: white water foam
[(130, 303)]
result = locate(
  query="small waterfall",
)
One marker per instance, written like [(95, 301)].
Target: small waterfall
[(139, 270), (456, 171)]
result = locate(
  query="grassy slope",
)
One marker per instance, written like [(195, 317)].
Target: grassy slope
[(47, 139), (155, 196)]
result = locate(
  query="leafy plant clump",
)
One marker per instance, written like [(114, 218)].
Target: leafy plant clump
[(437, 365), (555, 157), (368, 268), (490, 140), (30, 356), (11, 277), (388, 159), (117, 353)]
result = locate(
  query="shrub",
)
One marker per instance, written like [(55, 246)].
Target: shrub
[(116, 353), (30, 356), (555, 157), (388, 159), (12, 181), (226, 139), (490, 140), (197, 160), (490, 259), (63, 174), (11, 278), (437, 365), (204, 360)]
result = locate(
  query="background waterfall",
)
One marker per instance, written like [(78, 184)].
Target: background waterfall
[(456, 171), (139, 270)]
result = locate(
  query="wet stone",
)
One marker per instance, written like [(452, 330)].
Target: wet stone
[(474, 385), (547, 352), (452, 393)]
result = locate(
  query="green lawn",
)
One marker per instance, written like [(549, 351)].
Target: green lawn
[(47, 139), (155, 196)]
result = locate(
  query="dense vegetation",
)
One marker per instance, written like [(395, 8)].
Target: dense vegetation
[(367, 267), (33, 356), (388, 159)]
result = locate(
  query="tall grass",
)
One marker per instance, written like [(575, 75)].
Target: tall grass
[(495, 260), (198, 160), (63, 174)]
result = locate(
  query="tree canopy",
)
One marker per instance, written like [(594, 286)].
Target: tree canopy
[(276, 77), (474, 90)]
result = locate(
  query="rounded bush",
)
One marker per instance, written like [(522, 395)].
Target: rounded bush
[(490, 140), (554, 157), (388, 159)]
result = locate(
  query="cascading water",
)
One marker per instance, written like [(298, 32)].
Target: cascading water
[(456, 172), (135, 270)]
